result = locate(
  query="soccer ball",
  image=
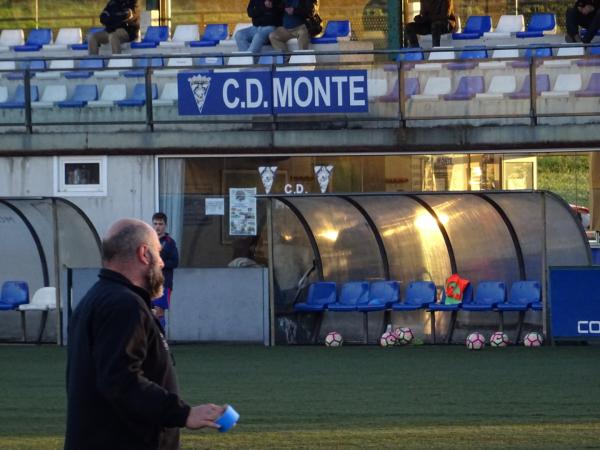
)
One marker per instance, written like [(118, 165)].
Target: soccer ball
[(333, 339), (387, 339), (499, 339), (404, 335), (533, 339), (475, 341)]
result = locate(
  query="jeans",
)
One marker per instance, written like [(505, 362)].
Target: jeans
[(252, 38)]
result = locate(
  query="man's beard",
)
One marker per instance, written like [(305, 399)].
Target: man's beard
[(154, 280)]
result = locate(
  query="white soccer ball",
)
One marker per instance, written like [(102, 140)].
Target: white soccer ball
[(333, 339), (475, 341), (404, 335), (499, 339), (387, 339), (533, 339)]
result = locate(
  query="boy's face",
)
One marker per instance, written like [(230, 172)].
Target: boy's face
[(159, 226), (587, 9)]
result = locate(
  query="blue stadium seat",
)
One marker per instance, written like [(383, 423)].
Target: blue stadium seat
[(213, 34), (13, 294), (138, 97), (418, 295), (83, 94), (474, 28), (487, 295), (522, 295), (353, 293), (333, 30), (34, 65), (84, 44), (468, 55), (153, 36), (453, 308), (18, 99), (89, 63), (216, 60), (538, 24), (320, 294), (269, 59), (141, 64), (36, 39), (382, 295), (467, 87)]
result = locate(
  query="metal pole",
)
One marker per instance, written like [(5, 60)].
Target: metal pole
[(271, 311), (37, 14)]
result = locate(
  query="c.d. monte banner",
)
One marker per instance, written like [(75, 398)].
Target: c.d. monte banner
[(264, 92)]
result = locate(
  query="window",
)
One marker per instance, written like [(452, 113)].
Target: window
[(80, 176)]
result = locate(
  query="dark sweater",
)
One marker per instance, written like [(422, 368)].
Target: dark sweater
[(263, 16), (121, 386)]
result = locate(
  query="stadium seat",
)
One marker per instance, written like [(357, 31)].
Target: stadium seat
[(300, 60), (592, 89), (113, 66), (500, 86), (141, 64), (34, 66), (444, 55), (13, 295), (533, 51), (382, 295), (54, 68), (418, 295), (82, 94), (84, 44), (467, 58), (334, 30), (521, 296), (91, 64), (172, 67), (18, 99), (488, 294), (235, 60), (3, 94), (168, 95), (10, 38), (154, 35), (138, 96), (52, 94), (500, 53), (65, 38), (183, 35), (411, 87), (213, 34), (507, 26), (352, 293), (542, 84), (539, 25), (566, 52), (474, 28), (7, 69), (216, 60), (109, 95), (36, 39), (446, 306), (407, 57), (44, 300), (434, 88), (270, 59), (320, 294), (564, 84), (468, 87)]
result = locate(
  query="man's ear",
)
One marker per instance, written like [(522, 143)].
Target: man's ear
[(143, 254)]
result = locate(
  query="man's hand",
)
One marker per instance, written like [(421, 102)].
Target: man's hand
[(289, 10), (268, 4), (204, 416)]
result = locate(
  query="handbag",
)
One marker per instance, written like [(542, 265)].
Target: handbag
[(314, 24)]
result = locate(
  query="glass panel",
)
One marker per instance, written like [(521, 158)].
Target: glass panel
[(482, 244), (346, 243), (414, 243), (76, 240)]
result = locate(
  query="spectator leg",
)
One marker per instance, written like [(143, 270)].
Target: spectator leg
[(411, 31), (592, 29), (301, 33), (95, 40), (118, 37), (437, 29), (244, 37), (260, 38), (279, 37)]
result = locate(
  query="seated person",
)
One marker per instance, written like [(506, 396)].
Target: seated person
[(266, 16), (121, 20), (436, 18), (294, 24), (585, 14)]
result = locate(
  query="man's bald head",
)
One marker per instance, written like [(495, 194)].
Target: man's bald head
[(123, 239)]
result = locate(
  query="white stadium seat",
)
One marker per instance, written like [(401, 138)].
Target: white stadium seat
[(507, 25), (9, 38), (110, 94), (64, 38), (499, 86), (564, 84), (52, 93), (305, 57), (565, 51), (182, 35), (114, 64), (168, 96), (67, 64), (434, 88), (500, 53), (436, 56)]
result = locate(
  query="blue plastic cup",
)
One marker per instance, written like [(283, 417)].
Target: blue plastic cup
[(228, 419)]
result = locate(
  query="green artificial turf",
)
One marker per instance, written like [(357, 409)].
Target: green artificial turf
[(417, 397)]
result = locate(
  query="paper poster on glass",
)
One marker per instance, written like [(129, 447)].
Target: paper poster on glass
[(242, 212)]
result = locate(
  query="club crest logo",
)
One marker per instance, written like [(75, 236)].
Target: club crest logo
[(199, 85), (323, 174), (267, 175)]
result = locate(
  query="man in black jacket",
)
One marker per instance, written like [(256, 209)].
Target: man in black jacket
[(585, 14), (121, 20), (266, 15), (436, 17), (121, 385)]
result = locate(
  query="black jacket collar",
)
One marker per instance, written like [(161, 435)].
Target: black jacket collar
[(111, 275)]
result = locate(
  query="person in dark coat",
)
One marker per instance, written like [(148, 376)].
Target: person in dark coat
[(170, 257), (121, 386), (436, 18), (121, 20), (266, 15), (584, 14)]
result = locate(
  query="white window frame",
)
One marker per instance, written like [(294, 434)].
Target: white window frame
[(80, 190)]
